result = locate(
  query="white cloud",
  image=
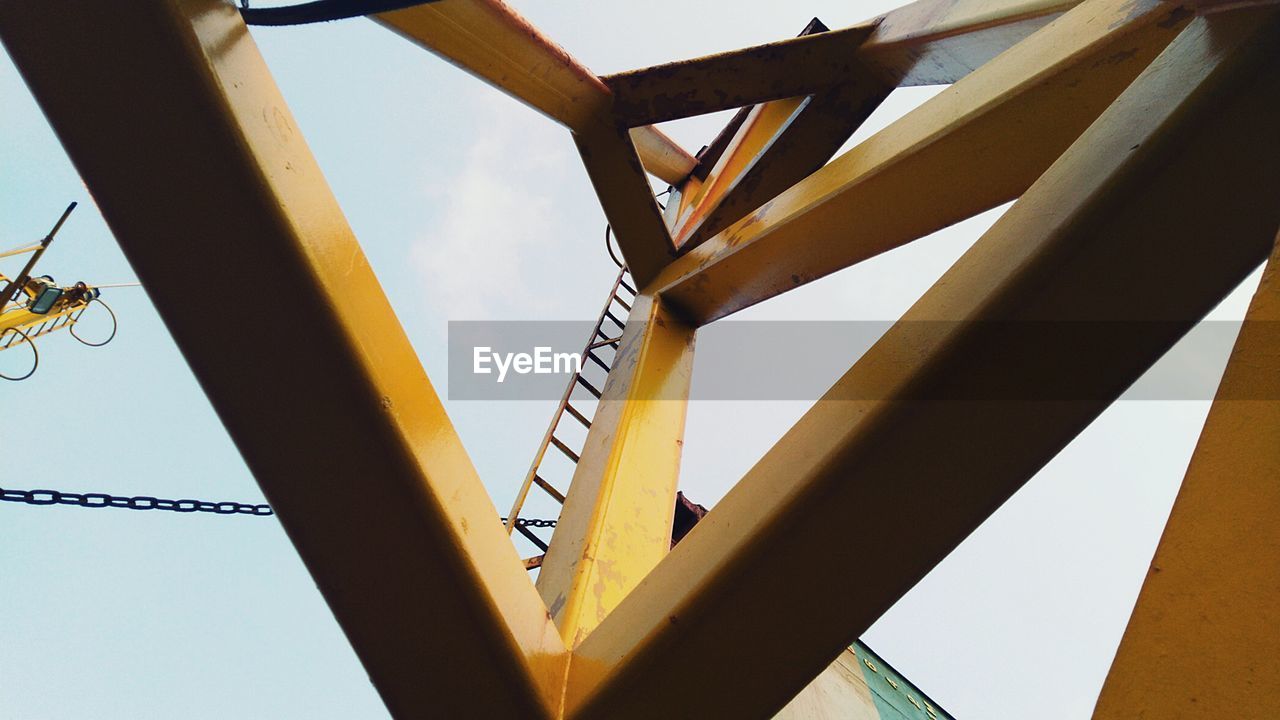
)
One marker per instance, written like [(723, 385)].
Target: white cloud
[(497, 215)]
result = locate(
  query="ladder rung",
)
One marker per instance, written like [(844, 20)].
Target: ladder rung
[(615, 320), (533, 562), (590, 388), (607, 341), (531, 537), (622, 302), (624, 284), (598, 361), (564, 449), (579, 416), (551, 490)]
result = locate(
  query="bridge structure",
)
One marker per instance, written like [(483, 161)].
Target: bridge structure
[(1136, 138)]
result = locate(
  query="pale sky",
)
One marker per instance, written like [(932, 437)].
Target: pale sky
[(471, 206)]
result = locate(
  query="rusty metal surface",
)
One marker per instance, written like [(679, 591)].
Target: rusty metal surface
[(797, 66), (687, 514)]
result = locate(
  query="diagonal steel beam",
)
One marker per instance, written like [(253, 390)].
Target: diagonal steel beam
[(661, 156), (171, 117), (928, 42), (771, 157), (937, 42), (1203, 640), (1006, 122), (769, 148), (616, 522), (1091, 276), (730, 156), (627, 200), (796, 66), (491, 41)]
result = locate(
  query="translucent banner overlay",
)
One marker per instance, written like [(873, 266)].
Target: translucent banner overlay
[(802, 360)]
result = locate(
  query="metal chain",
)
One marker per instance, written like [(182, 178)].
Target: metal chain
[(136, 502), (533, 522), (147, 502)]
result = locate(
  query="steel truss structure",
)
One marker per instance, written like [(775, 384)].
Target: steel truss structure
[(1138, 138)]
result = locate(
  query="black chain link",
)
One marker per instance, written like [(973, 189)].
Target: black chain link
[(147, 502), (136, 502), (533, 522)]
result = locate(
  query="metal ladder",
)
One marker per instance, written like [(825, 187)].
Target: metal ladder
[(600, 339), (60, 322)]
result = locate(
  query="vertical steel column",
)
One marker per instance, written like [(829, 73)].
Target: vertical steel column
[(616, 522)]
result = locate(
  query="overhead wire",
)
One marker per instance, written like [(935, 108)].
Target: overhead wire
[(115, 325), (35, 363)]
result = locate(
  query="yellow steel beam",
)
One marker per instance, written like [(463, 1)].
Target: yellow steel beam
[(756, 132), (928, 42), (937, 42), (627, 200), (1203, 639), (1091, 276), (1002, 125), (171, 117), (796, 66), (616, 522), (787, 141), (768, 148), (491, 41), (661, 156)]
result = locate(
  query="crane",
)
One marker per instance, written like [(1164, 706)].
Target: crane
[(33, 306)]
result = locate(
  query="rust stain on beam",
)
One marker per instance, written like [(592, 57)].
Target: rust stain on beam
[(796, 66)]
